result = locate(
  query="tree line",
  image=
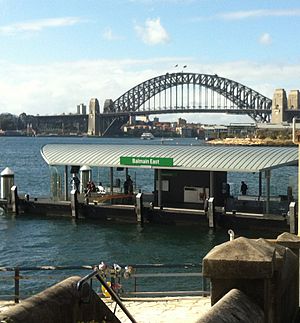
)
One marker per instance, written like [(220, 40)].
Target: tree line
[(10, 121)]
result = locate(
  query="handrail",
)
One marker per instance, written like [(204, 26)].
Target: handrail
[(97, 272), (135, 271), (166, 265), (46, 268)]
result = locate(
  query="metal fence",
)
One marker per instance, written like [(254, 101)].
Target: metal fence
[(134, 280)]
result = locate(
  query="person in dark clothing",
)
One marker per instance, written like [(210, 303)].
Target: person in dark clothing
[(128, 185), (244, 188)]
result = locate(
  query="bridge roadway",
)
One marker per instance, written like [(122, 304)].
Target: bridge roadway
[(184, 110), (78, 123)]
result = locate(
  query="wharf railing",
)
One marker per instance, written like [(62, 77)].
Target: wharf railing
[(134, 280)]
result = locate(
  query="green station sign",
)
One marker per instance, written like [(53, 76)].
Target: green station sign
[(146, 161)]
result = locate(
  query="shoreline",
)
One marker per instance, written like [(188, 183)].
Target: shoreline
[(252, 142)]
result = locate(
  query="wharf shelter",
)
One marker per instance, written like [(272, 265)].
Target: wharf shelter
[(184, 176)]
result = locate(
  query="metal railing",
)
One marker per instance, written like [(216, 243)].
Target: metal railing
[(22, 273), (184, 279), (98, 273)]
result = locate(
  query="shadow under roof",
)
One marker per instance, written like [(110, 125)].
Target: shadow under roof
[(206, 157)]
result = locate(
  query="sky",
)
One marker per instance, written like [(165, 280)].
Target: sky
[(57, 54)]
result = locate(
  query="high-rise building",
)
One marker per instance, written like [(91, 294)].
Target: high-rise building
[(81, 108)]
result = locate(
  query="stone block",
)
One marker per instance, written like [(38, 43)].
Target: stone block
[(61, 303), (289, 240), (240, 258), (266, 271), (234, 307)]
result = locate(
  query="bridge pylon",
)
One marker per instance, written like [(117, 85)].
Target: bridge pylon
[(285, 109), (93, 122)]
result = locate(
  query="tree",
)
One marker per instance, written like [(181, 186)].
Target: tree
[(8, 121)]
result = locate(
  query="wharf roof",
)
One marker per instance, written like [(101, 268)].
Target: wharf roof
[(197, 157)]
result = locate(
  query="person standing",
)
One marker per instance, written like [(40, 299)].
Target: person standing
[(244, 188), (128, 185), (75, 183), (101, 189)]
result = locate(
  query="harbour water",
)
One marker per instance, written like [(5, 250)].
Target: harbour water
[(38, 241)]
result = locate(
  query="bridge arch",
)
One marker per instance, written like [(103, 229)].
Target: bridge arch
[(245, 100), (249, 101)]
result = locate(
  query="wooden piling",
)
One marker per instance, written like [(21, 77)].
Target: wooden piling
[(292, 217), (211, 213), (74, 204), (139, 208), (14, 200), (17, 285)]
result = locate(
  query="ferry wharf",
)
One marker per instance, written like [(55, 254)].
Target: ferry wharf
[(190, 185)]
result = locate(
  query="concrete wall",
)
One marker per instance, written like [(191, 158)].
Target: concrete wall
[(61, 303), (267, 272)]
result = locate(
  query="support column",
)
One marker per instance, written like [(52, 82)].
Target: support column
[(259, 185), (155, 187), (111, 180), (211, 184), (159, 188), (66, 195), (126, 175), (268, 178)]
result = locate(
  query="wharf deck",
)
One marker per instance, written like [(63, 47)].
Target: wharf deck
[(124, 210), (163, 310)]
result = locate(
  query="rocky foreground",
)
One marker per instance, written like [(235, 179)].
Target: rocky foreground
[(252, 142)]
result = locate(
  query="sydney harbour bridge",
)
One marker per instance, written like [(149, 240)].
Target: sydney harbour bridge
[(174, 93)]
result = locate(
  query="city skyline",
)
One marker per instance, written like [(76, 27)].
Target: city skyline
[(56, 55)]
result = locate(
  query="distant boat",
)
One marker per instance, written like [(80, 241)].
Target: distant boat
[(167, 139), (147, 136)]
